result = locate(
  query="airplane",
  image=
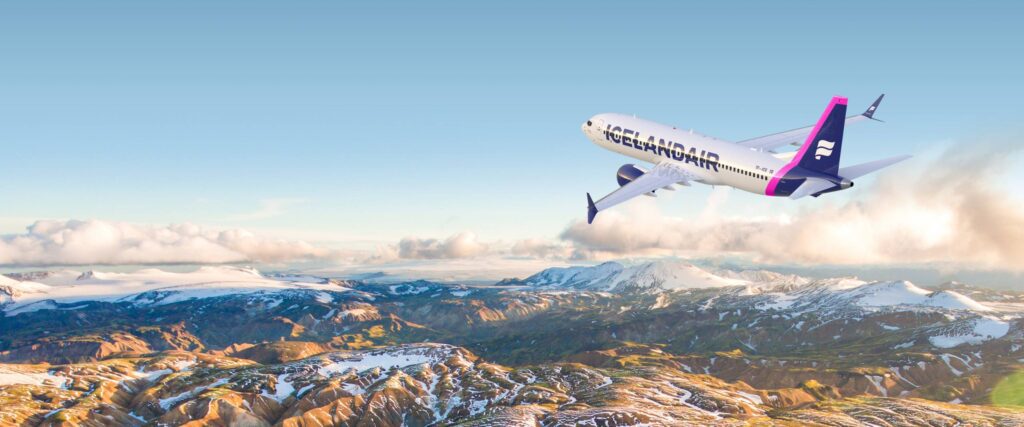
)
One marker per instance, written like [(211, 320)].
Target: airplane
[(684, 156)]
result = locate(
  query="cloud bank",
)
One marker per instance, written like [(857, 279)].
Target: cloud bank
[(466, 245), (76, 242), (947, 210)]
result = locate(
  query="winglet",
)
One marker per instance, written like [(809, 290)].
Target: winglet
[(870, 112), (591, 210)]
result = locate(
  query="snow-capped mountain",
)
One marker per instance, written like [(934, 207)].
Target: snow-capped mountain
[(148, 286), (876, 295), (11, 290), (601, 276), (782, 290), (843, 299), (652, 277), (965, 320)]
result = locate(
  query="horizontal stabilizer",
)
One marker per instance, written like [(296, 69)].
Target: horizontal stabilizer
[(811, 186), (857, 171), (797, 136)]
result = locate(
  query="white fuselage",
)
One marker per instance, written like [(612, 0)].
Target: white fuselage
[(709, 160)]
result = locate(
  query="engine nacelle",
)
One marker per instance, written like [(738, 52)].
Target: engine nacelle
[(628, 173)]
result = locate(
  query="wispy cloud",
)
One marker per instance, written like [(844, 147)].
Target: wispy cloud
[(269, 208)]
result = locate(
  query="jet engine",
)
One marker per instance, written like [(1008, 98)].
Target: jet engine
[(628, 173)]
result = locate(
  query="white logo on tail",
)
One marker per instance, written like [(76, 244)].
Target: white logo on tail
[(824, 149)]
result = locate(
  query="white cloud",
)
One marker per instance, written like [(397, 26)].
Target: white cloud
[(461, 245), (466, 245), (76, 242), (541, 248), (947, 210)]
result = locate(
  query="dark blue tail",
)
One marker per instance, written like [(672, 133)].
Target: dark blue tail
[(821, 150)]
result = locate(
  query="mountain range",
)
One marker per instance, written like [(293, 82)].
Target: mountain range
[(665, 342)]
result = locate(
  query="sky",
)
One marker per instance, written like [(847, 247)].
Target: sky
[(447, 130)]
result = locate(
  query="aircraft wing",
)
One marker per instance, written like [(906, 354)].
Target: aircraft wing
[(797, 136), (662, 175)]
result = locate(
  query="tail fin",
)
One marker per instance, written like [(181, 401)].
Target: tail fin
[(820, 152)]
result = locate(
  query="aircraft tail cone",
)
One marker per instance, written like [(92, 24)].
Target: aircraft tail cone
[(591, 210)]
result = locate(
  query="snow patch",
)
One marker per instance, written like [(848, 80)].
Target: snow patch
[(400, 357), (981, 329), (282, 389), (11, 374), (752, 398), (169, 402), (887, 294), (406, 289)]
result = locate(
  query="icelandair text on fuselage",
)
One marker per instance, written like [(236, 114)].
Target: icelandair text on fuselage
[(660, 147)]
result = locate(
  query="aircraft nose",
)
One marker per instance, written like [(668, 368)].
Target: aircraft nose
[(589, 126)]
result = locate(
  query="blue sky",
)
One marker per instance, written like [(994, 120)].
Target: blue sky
[(363, 122)]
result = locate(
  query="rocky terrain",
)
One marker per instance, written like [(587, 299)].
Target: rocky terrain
[(661, 343)]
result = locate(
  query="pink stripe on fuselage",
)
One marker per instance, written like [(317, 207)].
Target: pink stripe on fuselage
[(770, 190)]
